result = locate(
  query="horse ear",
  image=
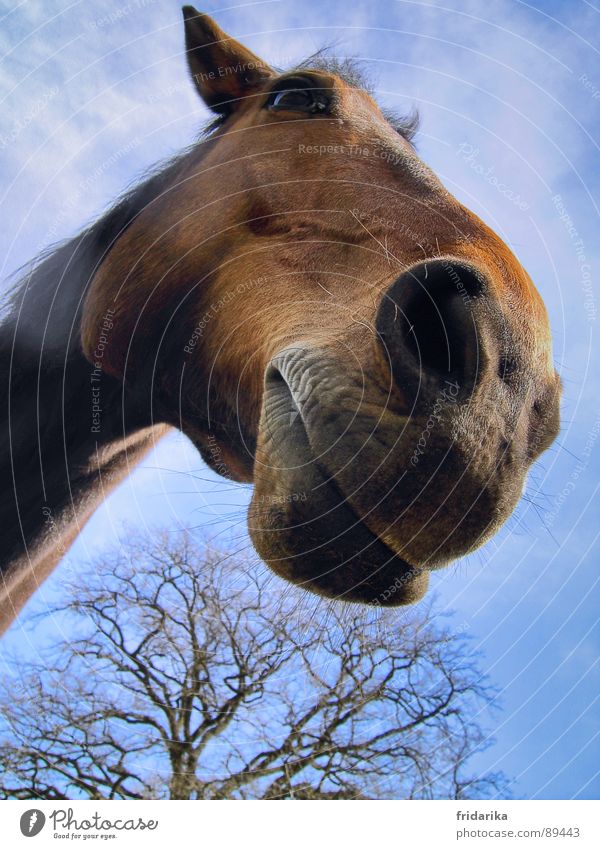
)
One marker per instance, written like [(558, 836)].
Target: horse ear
[(222, 69)]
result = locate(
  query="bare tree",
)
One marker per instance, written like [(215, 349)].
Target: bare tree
[(188, 673)]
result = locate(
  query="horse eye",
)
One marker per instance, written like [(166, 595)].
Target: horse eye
[(298, 100)]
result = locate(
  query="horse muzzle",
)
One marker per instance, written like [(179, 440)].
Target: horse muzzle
[(361, 485)]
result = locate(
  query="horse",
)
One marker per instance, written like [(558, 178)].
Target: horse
[(301, 296)]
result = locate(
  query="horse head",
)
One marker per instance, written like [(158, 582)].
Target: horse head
[(323, 319)]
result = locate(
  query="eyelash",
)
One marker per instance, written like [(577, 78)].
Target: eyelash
[(316, 101)]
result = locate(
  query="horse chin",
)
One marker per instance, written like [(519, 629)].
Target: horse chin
[(348, 564), (305, 530)]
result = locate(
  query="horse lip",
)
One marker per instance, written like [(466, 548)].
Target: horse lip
[(348, 561), (290, 373), (364, 569), (394, 581)]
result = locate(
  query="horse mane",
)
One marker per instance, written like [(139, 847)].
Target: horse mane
[(71, 264)]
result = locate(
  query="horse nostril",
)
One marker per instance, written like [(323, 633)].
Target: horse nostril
[(430, 323)]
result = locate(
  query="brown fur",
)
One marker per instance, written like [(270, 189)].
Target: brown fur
[(249, 297)]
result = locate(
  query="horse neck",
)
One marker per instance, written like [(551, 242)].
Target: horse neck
[(68, 431)]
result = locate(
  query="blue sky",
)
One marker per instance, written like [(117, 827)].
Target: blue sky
[(509, 93)]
